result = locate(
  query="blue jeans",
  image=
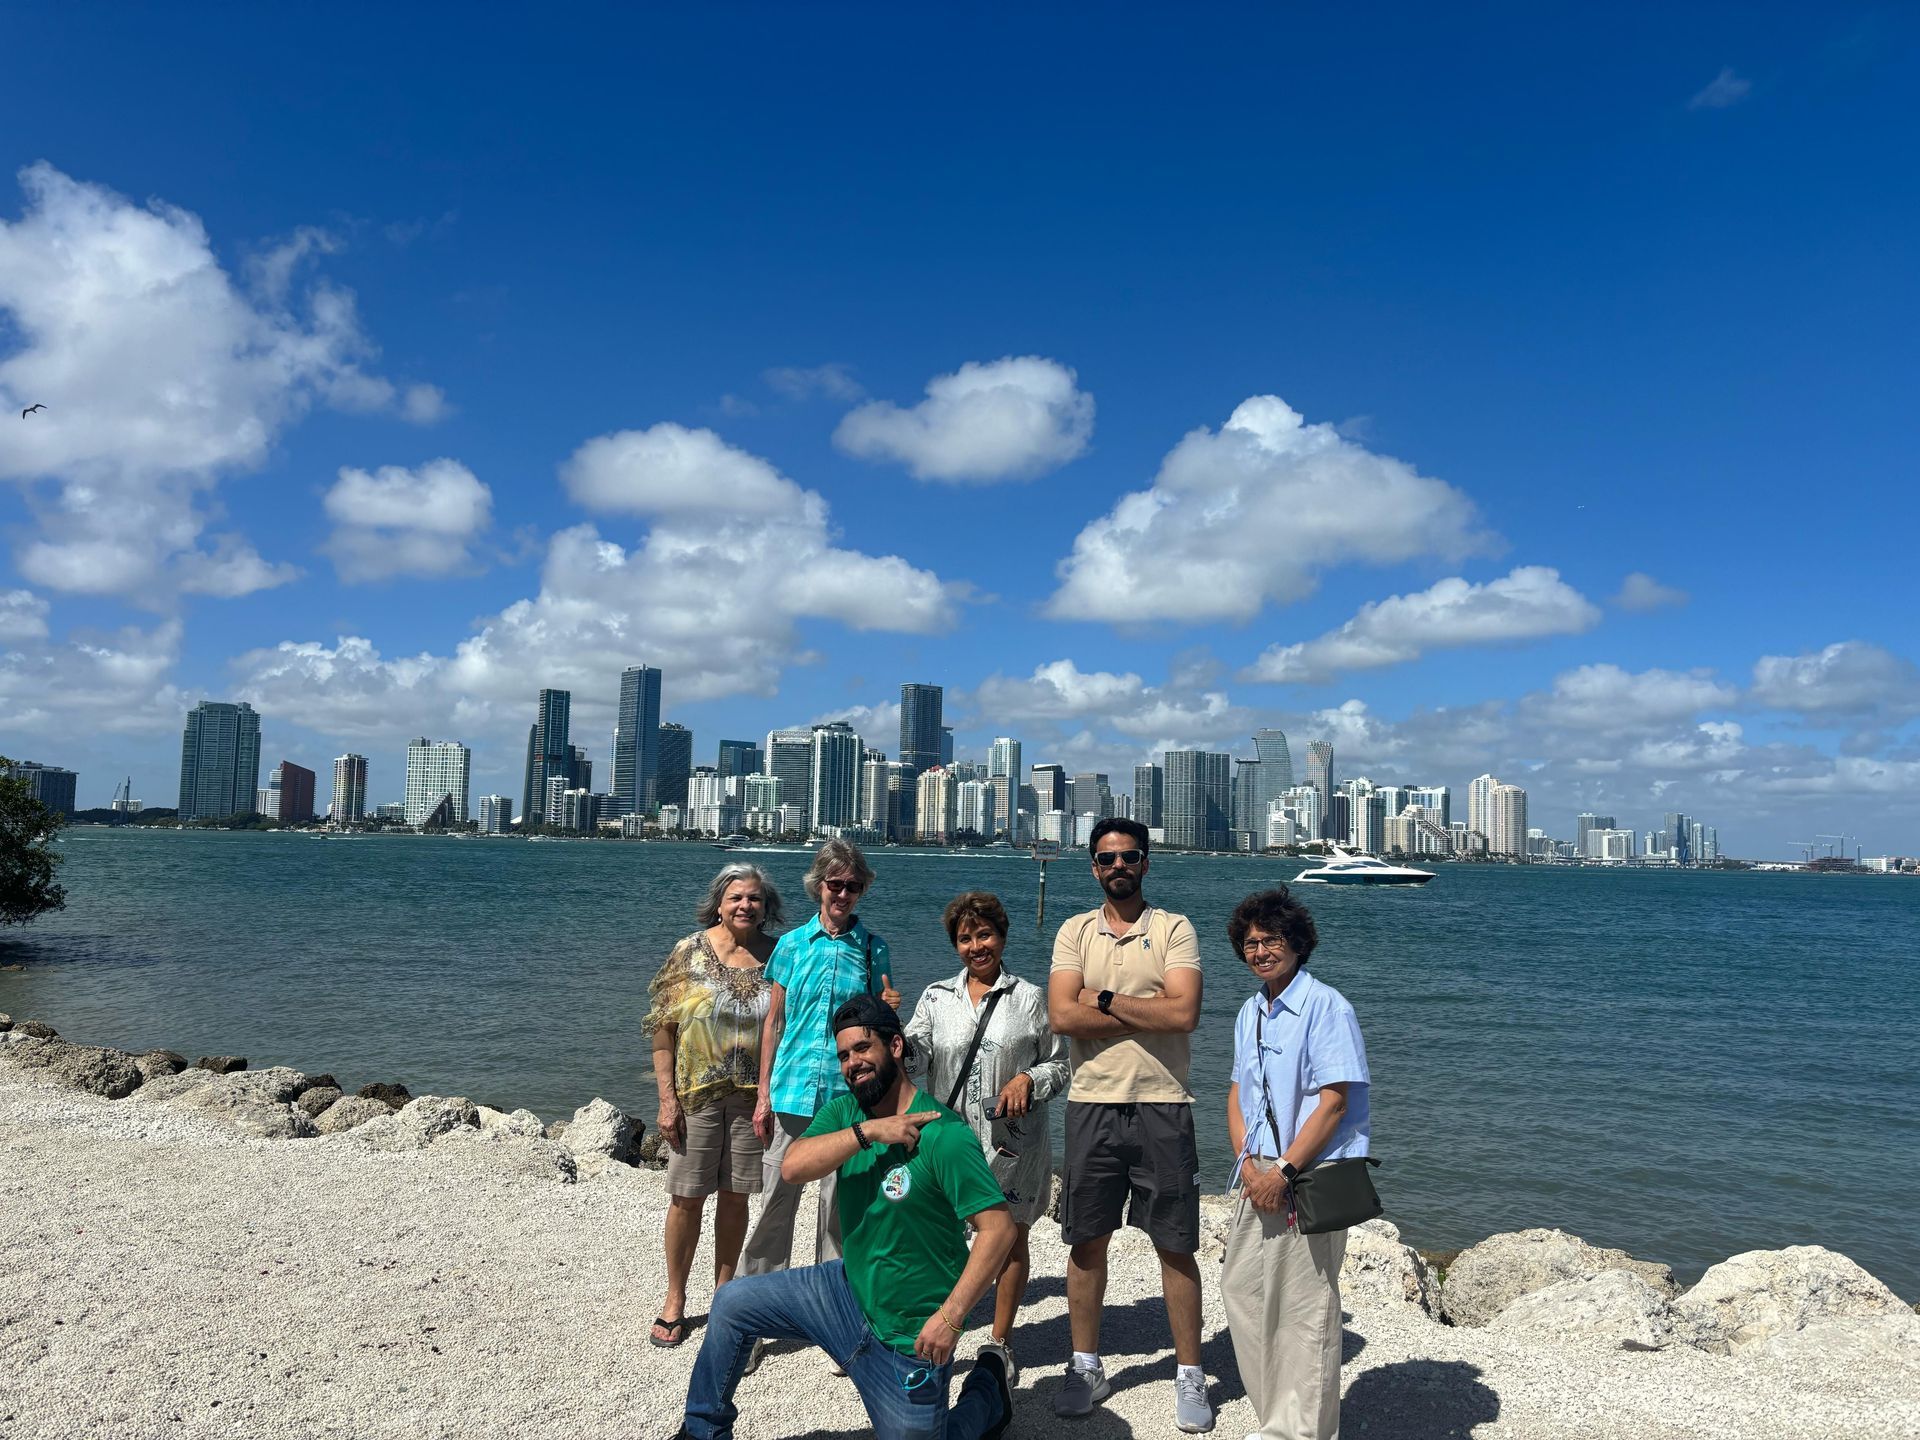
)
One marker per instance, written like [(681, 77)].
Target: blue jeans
[(814, 1303)]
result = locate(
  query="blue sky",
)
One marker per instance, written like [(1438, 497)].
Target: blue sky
[(1141, 376)]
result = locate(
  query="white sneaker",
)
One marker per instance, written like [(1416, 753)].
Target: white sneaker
[(756, 1355)]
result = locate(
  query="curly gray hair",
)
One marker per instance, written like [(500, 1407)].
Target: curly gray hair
[(835, 855), (772, 912)]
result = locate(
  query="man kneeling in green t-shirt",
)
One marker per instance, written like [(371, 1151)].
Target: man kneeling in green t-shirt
[(911, 1178)]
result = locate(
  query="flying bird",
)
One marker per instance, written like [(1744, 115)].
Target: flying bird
[(30, 409)]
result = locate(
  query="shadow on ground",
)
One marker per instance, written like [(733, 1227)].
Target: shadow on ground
[(1418, 1400)]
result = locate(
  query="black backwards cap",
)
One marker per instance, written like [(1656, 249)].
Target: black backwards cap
[(869, 1012)]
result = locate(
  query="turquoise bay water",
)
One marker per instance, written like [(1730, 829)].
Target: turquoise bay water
[(1682, 1065)]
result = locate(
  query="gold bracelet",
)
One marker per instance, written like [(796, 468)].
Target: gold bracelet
[(957, 1329)]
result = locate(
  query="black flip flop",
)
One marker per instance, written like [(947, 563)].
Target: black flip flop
[(677, 1329)]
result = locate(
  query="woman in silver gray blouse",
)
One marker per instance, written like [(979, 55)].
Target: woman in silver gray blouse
[(1002, 1085)]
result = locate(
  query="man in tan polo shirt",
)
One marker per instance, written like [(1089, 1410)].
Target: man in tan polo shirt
[(1125, 990)]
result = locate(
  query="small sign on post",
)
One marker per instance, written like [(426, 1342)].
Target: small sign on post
[(1043, 851)]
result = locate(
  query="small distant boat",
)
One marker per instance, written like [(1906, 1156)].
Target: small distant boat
[(1348, 867)]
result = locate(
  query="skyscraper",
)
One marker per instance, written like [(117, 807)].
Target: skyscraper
[(1480, 806), (496, 814), (833, 773), (294, 784), (636, 741), (219, 761), (1149, 795), (790, 758), (1435, 799), (739, 757), (549, 752), (1320, 776), (1275, 773), (349, 789), (936, 805), (1199, 798), (675, 755), (1050, 787), (920, 725), (1249, 812), (52, 785), (1005, 774), (1507, 808), (1583, 826), (437, 770), (1090, 793)]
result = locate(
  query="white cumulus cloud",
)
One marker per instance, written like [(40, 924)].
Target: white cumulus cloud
[(395, 521), (1005, 419), (1251, 514), (1641, 593), (1606, 698), (160, 375), (733, 558), (23, 615), (1531, 602), (1851, 679)]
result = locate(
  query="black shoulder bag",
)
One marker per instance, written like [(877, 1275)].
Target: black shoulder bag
[(966, 1065), (1332, 1195)]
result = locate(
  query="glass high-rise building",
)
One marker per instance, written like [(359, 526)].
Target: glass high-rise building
[(920, 725), (437, 770), (790, 758), (676, 764), (833, 796), (549, 751), (636, 741), (1199, 798), (1090, 793), (52, 785), (1050, 787), (1320, 776), (293, 793), (1249, 814), (219, 761), (1150, 796), (740, 757), (1275, 773)]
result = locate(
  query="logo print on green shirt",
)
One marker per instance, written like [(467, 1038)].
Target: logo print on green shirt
[(896, 1183)]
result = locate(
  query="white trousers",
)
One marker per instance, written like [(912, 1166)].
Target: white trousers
[(770, 1246), (1282, 1295)]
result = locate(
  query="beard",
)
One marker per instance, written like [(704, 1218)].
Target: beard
[(870, 1090), (1119, 884)]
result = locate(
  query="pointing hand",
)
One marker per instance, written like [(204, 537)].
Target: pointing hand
[(899, 1129)]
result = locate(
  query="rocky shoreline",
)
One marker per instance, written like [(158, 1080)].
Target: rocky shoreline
[(1538, 1317)]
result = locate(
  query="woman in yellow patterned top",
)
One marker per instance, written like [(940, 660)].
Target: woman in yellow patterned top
[(709, 1001)]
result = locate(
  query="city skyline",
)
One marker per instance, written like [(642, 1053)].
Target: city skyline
[(380, 440)]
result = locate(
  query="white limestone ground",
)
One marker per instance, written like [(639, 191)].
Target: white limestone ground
[(162, 1276)]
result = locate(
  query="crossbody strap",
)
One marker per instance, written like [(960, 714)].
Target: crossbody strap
[(979, 1030), (1260, 1059)]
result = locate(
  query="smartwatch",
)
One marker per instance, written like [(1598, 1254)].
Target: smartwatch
[(1106, 1002), (1290, 1170)]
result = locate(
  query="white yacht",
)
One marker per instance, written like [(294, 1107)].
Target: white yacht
[(1350, 868)]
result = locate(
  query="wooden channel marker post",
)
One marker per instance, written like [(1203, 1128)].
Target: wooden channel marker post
[(1043, 851)]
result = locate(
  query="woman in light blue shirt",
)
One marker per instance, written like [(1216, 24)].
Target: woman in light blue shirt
[(1299, 1096)]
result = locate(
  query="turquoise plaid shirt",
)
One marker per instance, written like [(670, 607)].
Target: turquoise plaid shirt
[(820, 974)]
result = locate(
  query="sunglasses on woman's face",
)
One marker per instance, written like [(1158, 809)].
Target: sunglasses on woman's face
[(842, 887), (1107, 859)]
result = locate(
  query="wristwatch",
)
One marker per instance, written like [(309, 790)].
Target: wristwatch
[(1106, 1002), (1290, 1170)]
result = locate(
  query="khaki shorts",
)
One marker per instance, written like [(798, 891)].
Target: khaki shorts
[(721, 1153)]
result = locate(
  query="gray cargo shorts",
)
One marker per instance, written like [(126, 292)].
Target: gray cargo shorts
[(1137, 1158)]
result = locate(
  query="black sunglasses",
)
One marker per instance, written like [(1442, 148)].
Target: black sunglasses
[(1107, 859)]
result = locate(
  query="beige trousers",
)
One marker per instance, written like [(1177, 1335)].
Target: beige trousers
[(770, 1246), (1282, 1294)]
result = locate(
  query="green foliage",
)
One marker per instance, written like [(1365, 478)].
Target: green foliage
[(27, 861)]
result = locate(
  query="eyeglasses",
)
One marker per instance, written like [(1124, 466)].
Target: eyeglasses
[(842, 887), (1276, 947), (915, 1378), (1107, 859)]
